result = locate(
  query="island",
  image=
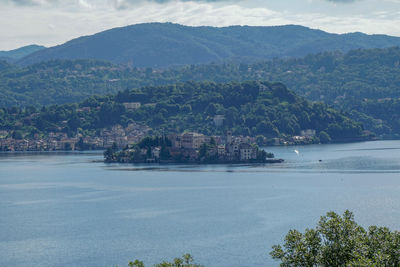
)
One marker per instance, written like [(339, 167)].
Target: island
[(191, 147)]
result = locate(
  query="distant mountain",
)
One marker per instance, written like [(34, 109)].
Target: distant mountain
[(19, 53), (165, 44)]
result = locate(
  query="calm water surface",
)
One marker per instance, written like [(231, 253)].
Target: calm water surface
[(66, 209)]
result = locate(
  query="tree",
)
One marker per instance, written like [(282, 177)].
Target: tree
[(339, 241), (212, 141), (73, 123), (114, 147), (136, 263), (165, 153), (211, 109), (109, 153), (203, 151), (324, 137), (185, 261), (17, 135), (260, 140)]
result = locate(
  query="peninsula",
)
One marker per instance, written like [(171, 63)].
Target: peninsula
[(191, 147)]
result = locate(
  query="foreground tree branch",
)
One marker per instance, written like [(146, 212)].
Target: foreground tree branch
[(339, 241)]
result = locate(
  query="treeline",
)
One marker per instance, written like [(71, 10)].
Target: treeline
[(248, 108)]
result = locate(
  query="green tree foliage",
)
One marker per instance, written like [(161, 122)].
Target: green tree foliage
[(324, 137), (109, 153), (185, 261), (250, 108), (136, 263), (339, 241)]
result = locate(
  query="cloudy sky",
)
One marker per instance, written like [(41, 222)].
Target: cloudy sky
[(52, 22)]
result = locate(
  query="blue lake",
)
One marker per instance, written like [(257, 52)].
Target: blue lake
[(70, 209)]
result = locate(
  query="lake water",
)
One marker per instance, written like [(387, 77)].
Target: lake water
[(66, 209)]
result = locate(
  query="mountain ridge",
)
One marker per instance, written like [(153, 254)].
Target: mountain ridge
[(168, 44), (18, 53)]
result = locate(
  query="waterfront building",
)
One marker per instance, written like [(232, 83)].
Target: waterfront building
[(192, 140)]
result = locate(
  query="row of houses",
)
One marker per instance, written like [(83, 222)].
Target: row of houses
[(10, 144), (228, 148), (131, 134)]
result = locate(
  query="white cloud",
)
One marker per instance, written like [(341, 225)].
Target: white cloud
[(51, 22), (342, 1), (84, 4)]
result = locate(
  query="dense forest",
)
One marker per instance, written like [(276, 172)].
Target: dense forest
[(248, 108), (363, 83), (59, 82)]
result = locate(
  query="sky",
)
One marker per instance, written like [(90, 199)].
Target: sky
[(53, 22)]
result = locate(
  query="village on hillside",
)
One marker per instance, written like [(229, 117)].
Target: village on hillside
[(122, 136)]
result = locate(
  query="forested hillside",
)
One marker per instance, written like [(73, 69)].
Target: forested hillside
[(58, 82), (249, 108), (364, 83), (166, 44)]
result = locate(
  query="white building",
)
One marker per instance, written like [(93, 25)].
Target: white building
[(308, 132), (219, 120), (132, 105)]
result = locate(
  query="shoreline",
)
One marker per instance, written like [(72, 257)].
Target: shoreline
[(274, 145), (267, 161)]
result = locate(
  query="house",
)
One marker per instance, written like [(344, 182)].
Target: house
[(83, 109), (175, 152), (155, 152), (132, 105), (192, 140), (219, 120), (176, 140), (308, 132), (191, 154), (221, 150), (245, 151), (228, 138), (233, 148)]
